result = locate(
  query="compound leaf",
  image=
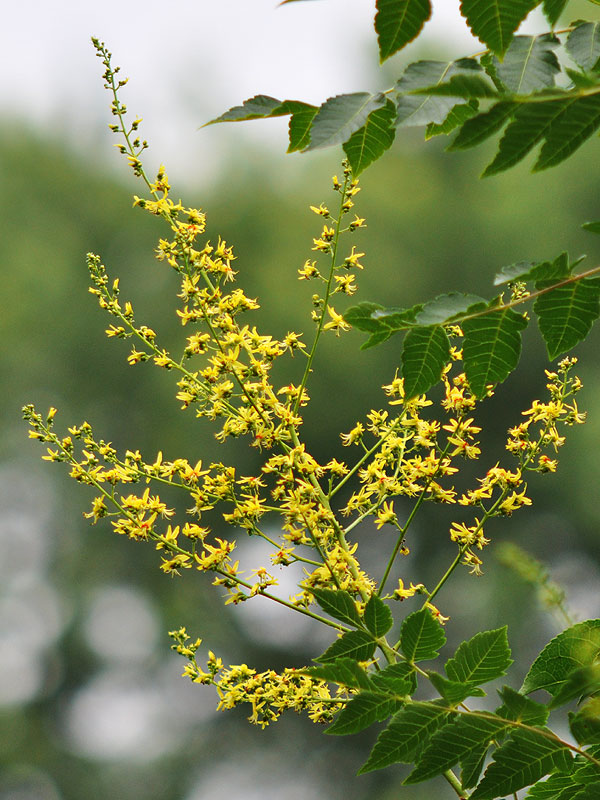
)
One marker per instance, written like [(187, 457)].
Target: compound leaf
[(371, 141), (425, 353), (482, 658), (394, 678), (398, 22), (495, 21), (567, 313), (421, 636), (458, 740), (406, 734), (491, 347), (522, 760)]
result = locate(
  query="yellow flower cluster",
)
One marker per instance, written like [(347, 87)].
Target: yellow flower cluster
[(399, 456), (267, 693)]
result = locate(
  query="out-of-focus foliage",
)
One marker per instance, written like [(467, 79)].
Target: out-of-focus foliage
[(69, 735)]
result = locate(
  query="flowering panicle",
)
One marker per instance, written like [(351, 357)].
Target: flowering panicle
[(308, 511)]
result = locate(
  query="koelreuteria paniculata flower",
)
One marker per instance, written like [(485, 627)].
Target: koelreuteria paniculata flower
[(403, 453)]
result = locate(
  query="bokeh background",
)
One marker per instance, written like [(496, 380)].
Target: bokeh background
[(91, 699)]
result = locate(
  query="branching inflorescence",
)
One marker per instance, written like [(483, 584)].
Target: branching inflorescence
[(401, 455)]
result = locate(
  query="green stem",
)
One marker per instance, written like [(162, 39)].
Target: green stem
[(334, 249)]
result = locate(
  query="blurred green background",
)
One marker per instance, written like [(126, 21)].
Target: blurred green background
[(91, 699)]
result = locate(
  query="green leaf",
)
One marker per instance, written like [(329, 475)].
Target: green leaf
[(491, 347), (471, 767), (338, 117), (398, 22), (553, 9), (530, 64), (407, 733), (299, 128), (426, 351), (519, 708), (454, 692), (578, 646), (567, 313), (583, 45), (338, 604), (515, 272), (551, 788), (589, 792), (592, 227), (457, 115), (363, 710), (530, 125), (585, 723), (553, 271), (495, 21), (413, 109), (421, 636), (569, 131), (464, 86), (482, 658), (345, 671), (378, 616), (581, 683), (456, 741), (372, 140), (394, 678), (358, 645), (259, 106), (446, 307), (380, 322), (481, 127), (522, 760)]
